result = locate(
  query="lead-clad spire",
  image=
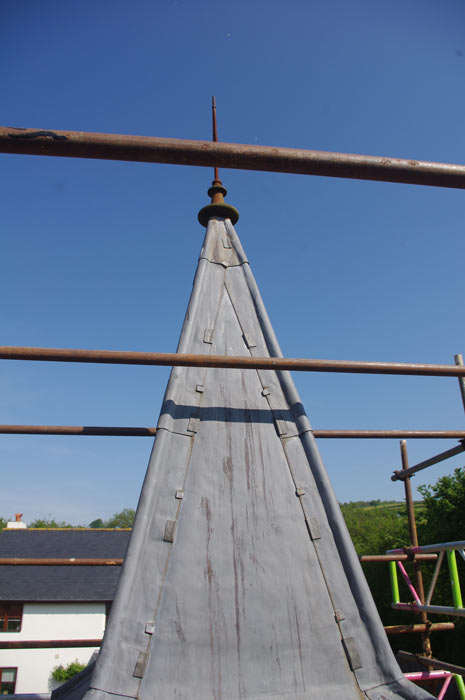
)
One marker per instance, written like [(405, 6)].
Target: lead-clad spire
[(218, 207)]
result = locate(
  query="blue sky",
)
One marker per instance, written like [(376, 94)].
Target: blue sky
[(102, 254)]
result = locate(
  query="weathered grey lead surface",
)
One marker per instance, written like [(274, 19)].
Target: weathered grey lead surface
[(247, 586)]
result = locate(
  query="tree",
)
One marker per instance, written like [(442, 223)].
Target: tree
[(3, 523), (96, 524), (48, 523), (123, 519), (374, 530), (443, 515)]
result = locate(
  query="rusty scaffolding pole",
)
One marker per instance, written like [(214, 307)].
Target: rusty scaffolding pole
[(147, 149), (50, 644), (137, 431), (406, 473), (173, 359), (48, 561), (425, 636)]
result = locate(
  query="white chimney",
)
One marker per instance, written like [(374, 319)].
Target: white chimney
[(16, 524)]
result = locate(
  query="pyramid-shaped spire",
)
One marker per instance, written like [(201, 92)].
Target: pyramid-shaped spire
[(240, 580)]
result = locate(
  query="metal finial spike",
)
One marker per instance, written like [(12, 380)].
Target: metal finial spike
[(217, 207), (215, 132)]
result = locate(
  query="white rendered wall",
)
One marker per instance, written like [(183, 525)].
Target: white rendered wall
[(51, 621)]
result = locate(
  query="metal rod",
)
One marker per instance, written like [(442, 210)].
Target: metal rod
[(425, 638), (394, 583), (48, 561), (426, 675), (408, 496), (76, 430), (225, 361), (459, 361), (438, 547), (454, 579), (434, 609), (79, 144), (50, 643), (410, 585), (434, 579), (406, 473), (215, 135), (445, 685), (126, 431), (390, 434), (460, 686), (434, 663), (407, 629), (397, 557)]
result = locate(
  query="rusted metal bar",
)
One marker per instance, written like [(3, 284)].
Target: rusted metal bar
[(225, 361), (76, 430), (409, 498), (147, 149), (390, 434), (365, 558), (459, 361), (214, 135), (407, 629), (406, 473), (94, 430), (48, 561), (425, 637), (50, 643), (433, 663)]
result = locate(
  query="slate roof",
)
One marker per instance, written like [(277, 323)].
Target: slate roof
[(61, 583)]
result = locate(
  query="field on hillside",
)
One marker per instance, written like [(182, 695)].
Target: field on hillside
[(387, 507)]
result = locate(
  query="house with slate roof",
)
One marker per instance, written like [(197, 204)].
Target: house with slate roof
[(43, 603)]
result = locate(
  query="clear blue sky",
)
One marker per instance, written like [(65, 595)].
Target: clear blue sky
[(102, 254)]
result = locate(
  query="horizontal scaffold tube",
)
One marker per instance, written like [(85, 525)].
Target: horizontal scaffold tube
[(79, 144), (424, 548), (95, 430), (389, 434), (433, 609), (397, 557), (431, 627), (172, 359), (48, 561), (50, 643)]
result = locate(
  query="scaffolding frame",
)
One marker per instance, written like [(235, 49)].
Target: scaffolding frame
[(272, 159)]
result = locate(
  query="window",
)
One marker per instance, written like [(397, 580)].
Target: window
[(7, 680), (11, 615)]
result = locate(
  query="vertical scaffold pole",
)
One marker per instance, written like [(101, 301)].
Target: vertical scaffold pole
[(460, 686), (454, 579), (459, 361), (425, 637), (394, 582)]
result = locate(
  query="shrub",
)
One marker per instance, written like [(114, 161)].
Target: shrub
[(64, 673)]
